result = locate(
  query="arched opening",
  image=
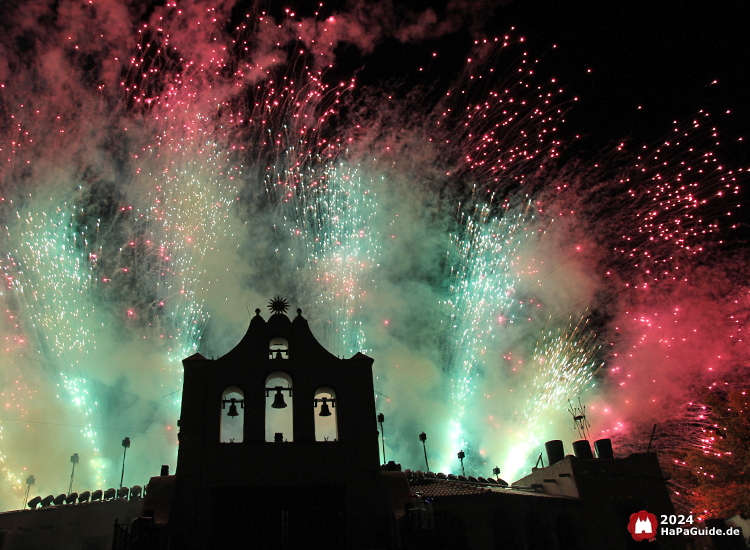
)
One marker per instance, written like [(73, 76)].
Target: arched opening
[(232, 415), (279, 406), (278, 348), (326, 421)]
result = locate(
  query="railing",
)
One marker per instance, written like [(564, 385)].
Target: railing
[(122, 538)]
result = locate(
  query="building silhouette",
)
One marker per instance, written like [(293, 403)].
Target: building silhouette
[(272, 482), (278, 449)]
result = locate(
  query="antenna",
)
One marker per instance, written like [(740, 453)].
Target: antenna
[(579, 418), (652, 438), (538, 460)]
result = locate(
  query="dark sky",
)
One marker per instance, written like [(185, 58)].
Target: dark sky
[(660, 55)]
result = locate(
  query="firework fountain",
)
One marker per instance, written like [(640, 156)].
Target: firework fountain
[(484, 278), (334, 248)]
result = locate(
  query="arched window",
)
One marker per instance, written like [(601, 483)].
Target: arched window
[(279, 405), (278, 348), (326, 422), (232, 415)]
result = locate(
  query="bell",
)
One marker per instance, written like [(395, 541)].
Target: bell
[(278, 399), (324, 410), (232, 408)]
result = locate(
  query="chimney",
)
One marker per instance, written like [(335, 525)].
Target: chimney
[(604, 448), (582, 449), (555, 451)]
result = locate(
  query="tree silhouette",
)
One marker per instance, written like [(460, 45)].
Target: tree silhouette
[(718, 471)]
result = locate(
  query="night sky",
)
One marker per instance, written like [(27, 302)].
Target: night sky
[(660, 56)]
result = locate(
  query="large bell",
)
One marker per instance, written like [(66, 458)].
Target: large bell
[(278, 399), (233, 407), (324, 410)]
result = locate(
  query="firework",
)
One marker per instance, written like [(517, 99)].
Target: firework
[(564, 364), (499, 124), (329, 216), (484, 276), (51, 280), (198, 132), (669, 201)]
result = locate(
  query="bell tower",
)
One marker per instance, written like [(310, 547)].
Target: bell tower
[(278, 443)]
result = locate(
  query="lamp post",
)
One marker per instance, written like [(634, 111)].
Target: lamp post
[(381, 419), (29, 482), (496, 471), (74, 460), (461, 456), (125, 444), (423, 438)]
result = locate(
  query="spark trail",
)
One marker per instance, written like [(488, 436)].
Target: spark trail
[(51, 279), (329, 215), (564, 364), (484, 276)]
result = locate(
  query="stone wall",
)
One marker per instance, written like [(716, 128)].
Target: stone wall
[(68, 527)]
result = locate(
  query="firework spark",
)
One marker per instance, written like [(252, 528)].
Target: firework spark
[(329, 218), (484, 277)]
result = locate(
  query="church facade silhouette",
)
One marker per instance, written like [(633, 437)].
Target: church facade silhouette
[(278, 449)]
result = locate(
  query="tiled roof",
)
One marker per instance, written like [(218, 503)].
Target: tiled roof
[(432, 488), (444, 488), (529, 492)]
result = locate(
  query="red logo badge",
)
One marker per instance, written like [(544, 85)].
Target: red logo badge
[(642, 526)]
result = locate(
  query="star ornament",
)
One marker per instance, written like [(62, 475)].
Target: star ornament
[(278, 305)]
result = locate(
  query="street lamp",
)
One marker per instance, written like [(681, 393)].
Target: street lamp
[(381, 419), (461, 456), (496, 471), (74, 460), (29, 482), (125, 444), (423, 438)]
